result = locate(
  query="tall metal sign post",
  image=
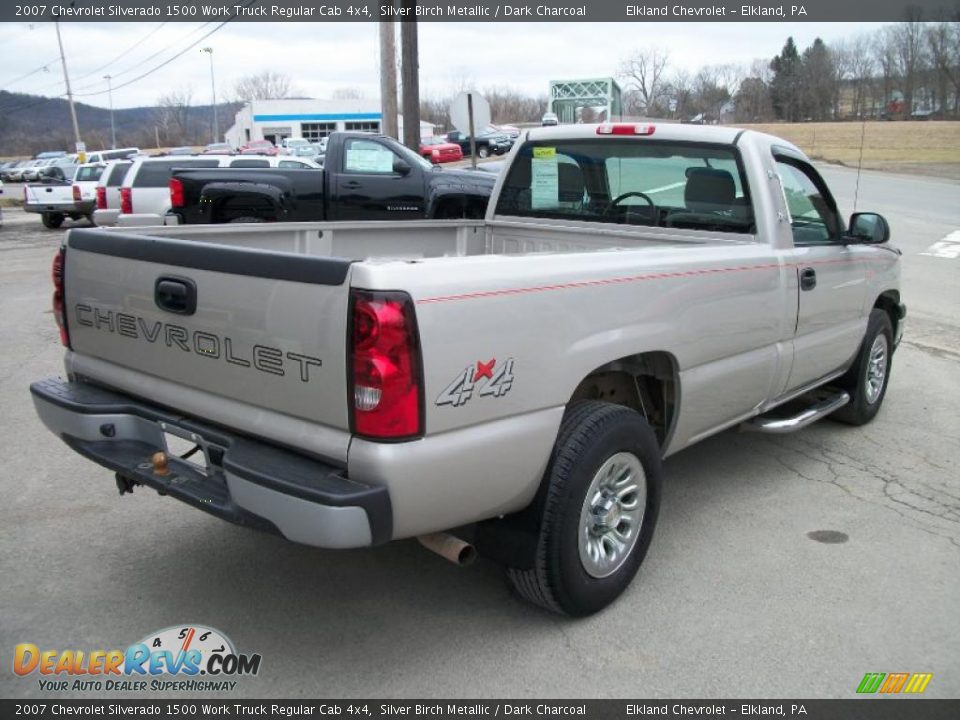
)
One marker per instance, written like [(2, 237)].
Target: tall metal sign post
[(468, 111)]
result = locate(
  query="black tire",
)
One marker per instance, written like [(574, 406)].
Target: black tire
[(449, 211), (483, 152), (865, 404), (52, 220), (591, 434)]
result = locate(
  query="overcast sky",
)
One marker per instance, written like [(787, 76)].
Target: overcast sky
[(321, 57)]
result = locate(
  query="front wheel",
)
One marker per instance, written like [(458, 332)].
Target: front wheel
[(597, 510), (866, 381)]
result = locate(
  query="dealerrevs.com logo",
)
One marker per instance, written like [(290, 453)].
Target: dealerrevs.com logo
[(181, 658)]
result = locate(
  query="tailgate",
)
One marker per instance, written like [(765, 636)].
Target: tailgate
[(266, 329), (48, 194)]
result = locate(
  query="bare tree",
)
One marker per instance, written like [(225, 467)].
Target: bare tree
[(861, 69), (644, 72), (841, 55), (943, 42), (173, 116), (265, 85), (509, 105), (910, 54), (885, 55), (679, 90), (710, 93), (347, 93), (752, 100)]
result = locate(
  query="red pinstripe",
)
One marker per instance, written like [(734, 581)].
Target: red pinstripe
[(627, 279)]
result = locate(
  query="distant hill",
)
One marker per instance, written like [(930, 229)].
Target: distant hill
[(30, 124)]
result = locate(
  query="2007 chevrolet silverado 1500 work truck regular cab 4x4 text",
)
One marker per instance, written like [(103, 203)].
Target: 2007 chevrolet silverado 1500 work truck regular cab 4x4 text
[(511, 383)]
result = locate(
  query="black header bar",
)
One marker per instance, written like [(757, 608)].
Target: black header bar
[(639, 11), (183, 708)]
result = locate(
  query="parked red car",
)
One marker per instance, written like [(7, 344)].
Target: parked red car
[(437, 150), (259, 147)]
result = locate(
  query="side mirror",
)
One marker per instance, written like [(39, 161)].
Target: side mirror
[(401, 167), (869, 228)]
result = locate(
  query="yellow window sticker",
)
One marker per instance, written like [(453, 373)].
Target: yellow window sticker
[(543, 153)]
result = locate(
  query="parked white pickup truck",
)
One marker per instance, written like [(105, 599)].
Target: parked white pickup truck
[(74, 198), (512, 383)]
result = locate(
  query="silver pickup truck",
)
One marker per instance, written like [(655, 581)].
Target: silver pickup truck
[(507, 386)]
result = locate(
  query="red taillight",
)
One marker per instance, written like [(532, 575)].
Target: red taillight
[(126, 200), (59, 309), (385, 374), (77, 197), (101, 197), (625, 129), (176, 193)]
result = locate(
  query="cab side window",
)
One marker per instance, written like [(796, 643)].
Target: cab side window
[(813, 212), (367, 157)]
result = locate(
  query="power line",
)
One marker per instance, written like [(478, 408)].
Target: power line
[(165, 62), (143, 75), (124, 53), (139, 64), (32, 72)]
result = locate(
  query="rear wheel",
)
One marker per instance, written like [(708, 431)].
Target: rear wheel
[(483, 152), (52, 220), (867, 380), (598, 510)]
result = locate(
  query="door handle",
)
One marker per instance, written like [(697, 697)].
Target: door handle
[(808, 279), (176, 295), (352, 185)]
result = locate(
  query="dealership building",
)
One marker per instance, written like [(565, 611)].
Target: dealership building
[(307, 118)]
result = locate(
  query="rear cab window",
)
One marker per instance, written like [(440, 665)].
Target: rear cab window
[(117, 173), (695, 186), (157, 174), (88, 173)]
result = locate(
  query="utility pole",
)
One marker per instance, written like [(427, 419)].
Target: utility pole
[(388, 78), (410, 77), (113, 129), (66, 81), (213, 92)]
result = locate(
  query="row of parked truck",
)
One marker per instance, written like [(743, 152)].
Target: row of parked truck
[(507, 385), (364, 177)]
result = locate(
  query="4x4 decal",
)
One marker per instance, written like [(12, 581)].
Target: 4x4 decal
[(486, 378)]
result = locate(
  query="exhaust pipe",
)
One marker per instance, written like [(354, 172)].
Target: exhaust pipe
[(450, 548)]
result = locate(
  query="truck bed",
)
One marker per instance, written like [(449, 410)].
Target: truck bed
[(428, 239)]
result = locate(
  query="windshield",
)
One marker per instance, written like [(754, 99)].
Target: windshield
[(630, 182), (413, 158)]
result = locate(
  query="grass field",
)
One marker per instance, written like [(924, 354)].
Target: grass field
[(926, 147)]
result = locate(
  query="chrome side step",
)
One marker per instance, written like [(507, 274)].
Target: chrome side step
[(778, 425)]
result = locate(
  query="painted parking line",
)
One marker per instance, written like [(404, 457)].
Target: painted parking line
[(948, 247)]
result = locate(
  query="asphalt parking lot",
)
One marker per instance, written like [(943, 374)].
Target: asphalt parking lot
[(734, 599)]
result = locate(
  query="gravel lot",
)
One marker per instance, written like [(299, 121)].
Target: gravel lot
[(734, 599)]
